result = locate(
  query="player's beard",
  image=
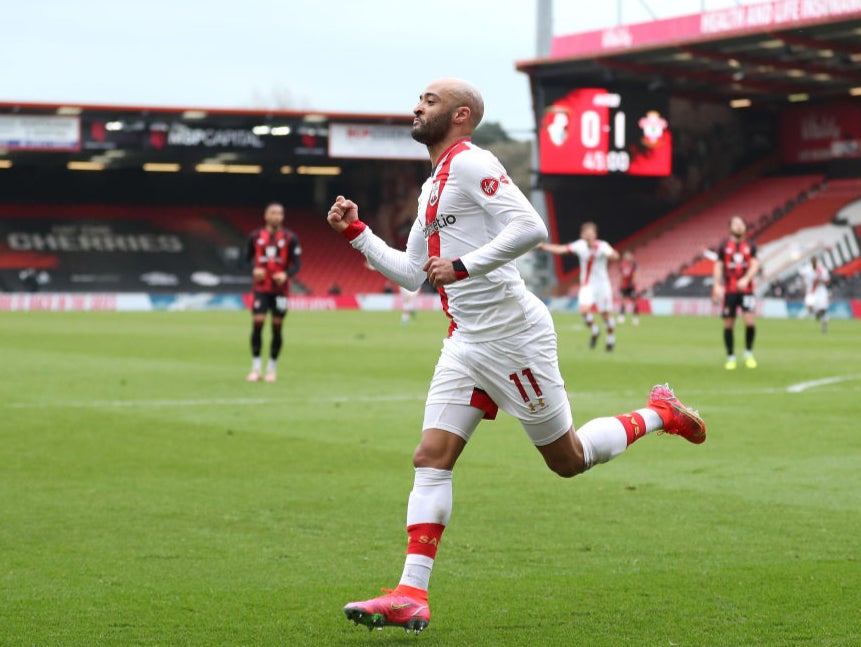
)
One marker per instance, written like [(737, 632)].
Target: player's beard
[(432, 131)]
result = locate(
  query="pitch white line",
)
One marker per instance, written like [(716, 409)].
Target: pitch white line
[(812, 384), (576, 396)]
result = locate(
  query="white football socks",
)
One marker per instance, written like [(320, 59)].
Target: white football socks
[(430, 502), (605, 438)]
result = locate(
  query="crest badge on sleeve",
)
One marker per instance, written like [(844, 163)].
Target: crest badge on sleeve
[(489, 186)]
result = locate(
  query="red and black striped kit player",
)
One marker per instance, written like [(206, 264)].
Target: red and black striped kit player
[(734, 271), (275, 253), (628, 288)]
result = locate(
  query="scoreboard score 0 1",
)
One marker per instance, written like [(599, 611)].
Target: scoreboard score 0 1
[(596, 131)]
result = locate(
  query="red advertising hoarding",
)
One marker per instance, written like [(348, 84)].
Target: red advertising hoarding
[(819, 133)]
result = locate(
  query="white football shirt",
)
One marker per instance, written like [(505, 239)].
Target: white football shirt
[(815, 280), (479, 216), (593, 261)]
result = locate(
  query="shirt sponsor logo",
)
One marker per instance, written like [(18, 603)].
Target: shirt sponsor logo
[(440, 222)]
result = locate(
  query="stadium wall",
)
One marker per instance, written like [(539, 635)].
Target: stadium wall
[(144, 302)]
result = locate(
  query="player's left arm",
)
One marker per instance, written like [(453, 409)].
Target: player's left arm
[(523, 228), (294, 257), (612, 254)]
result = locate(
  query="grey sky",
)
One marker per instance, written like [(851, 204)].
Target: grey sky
[(331, 55)]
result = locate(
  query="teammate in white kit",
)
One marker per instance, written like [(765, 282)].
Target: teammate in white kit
[(595, 293), (501, 349), (816, 281)]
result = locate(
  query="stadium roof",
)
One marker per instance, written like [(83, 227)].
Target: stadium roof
[(769, 54)]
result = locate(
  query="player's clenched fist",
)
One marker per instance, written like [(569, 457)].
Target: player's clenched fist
[(342, 213), (440, 271)]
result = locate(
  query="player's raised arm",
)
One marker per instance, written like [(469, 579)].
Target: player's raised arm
[(403, 268), (553, 248), (612, 253)]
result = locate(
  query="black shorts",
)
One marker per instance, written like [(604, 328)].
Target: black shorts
[(265, 302), (629, 293), (732, 301)]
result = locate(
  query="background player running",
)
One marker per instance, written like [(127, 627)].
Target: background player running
[(275, 252), (595, 292), (472, 223), (734, 270), (816, 281)]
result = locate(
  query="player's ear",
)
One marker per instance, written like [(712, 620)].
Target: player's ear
[(461, 115)]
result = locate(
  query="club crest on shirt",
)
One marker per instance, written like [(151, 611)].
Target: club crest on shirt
[(434, 196), (490, 185)]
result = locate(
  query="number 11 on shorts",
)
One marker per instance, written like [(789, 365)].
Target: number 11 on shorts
[(533, 384)]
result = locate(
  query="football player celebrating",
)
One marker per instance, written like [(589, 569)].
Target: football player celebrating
[(472, 223)]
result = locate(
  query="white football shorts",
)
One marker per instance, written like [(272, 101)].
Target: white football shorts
[(518, 374), (817, 300), (597, 294)]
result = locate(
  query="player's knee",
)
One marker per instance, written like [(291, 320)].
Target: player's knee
[(567, 469), (566, 464), (438, 457), (425, 457)]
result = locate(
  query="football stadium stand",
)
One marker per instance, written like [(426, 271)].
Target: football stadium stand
[(99, 248), (680, 244)]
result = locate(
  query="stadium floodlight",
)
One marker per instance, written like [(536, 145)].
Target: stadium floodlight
[(319, 170), (211, 168), (855, 92), (262, 129), (114, 125), (286, 170), (739, 103), (85, 166), (250, 169), (795, 73), (161, 167), (280, 131), (798, 97), (194, 114), (5, 163), (71, 111), (773, 43)]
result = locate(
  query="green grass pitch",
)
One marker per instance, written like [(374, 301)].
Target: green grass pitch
[(152, 497)]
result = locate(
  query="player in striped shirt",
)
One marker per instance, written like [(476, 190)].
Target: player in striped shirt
[(500, 353), (596, 293), (816, 281)]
